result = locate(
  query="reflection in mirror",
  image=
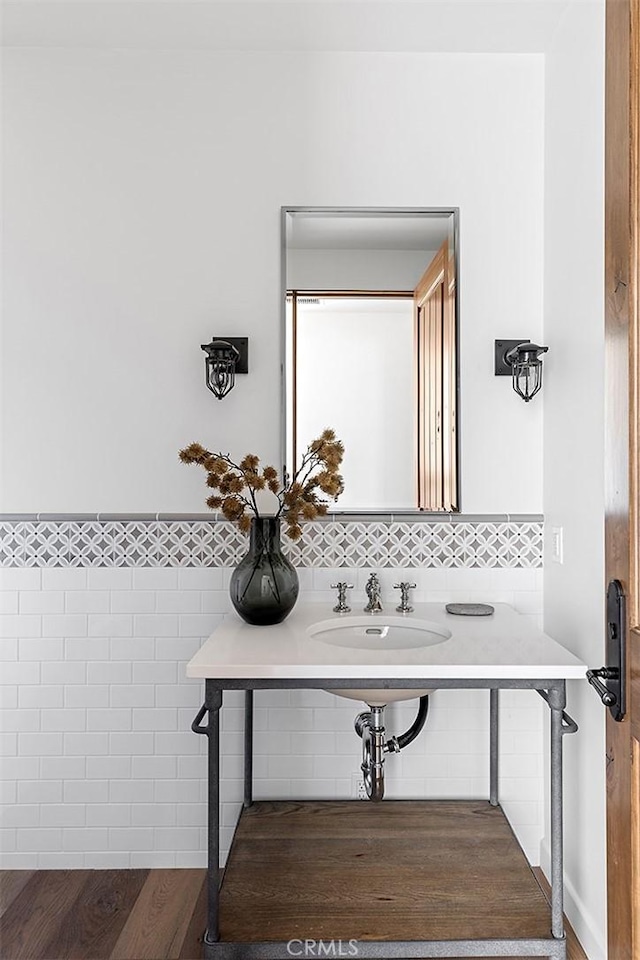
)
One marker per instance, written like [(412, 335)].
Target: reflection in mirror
[(371, 350)]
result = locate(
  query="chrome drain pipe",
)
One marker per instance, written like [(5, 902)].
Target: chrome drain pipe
[(369, 725)]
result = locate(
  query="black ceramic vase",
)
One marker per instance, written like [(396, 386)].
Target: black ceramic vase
[(264, 586)]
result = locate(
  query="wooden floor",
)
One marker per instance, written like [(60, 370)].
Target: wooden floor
[(319, 870), (102, 914)]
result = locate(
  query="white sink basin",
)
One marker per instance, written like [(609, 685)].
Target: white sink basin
[(375, 632), (380, 698)]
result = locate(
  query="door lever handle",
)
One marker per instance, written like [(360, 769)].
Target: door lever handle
[(607, 696), (613, 693)]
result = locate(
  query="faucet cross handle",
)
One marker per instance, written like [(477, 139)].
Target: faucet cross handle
[(404, 606), (342, 587)]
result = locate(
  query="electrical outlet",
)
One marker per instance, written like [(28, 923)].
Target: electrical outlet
[(358, 789), (557, 546)]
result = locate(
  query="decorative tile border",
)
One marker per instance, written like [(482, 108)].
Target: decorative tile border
[(188, 542)]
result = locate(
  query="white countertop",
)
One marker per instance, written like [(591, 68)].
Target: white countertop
[(504, 645)]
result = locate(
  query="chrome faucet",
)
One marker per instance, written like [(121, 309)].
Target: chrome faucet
[(372, 588)]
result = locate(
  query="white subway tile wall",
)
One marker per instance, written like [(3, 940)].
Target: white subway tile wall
[(101, 768)]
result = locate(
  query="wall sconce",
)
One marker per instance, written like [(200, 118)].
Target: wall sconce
[(224, 359), (520, 360)]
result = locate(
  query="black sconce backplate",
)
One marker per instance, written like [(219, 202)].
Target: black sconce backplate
[(502, 347), (242, 346)]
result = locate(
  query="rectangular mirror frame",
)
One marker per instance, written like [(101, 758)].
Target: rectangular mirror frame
[(372, 211)]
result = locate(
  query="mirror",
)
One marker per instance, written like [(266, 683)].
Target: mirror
[(371, 350)]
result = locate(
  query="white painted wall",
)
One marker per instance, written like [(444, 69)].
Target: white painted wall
[(142, 215), (573, 401)]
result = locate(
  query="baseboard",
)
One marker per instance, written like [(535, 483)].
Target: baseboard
[(576, 913)]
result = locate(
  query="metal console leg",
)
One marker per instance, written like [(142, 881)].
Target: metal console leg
[(211, 707), (561, 723), (557, 701), (493, 746), (248, 748), (213, 702)]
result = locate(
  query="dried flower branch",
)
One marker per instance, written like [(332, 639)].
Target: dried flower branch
[(298, 498)]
